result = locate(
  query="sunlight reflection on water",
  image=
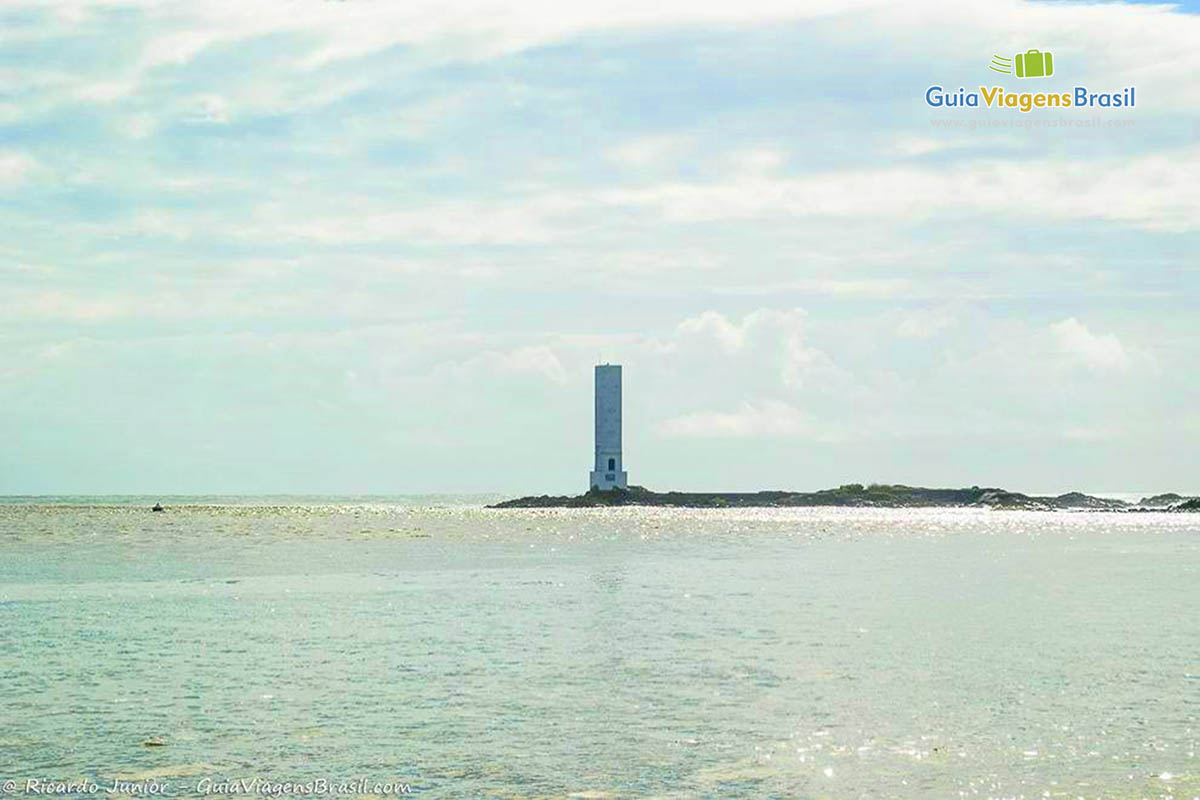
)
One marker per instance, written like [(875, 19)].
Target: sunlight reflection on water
[(611, 652)]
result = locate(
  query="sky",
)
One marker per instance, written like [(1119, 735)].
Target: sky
[(355, 246)]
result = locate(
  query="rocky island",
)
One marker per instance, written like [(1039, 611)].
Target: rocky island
[(857, 495)]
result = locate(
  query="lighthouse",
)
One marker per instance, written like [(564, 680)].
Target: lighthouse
[(608, 472)]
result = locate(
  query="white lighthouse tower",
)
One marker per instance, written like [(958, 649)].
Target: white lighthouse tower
[(608, 472)]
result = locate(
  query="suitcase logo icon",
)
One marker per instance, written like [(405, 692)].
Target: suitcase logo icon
[(1030, 64)]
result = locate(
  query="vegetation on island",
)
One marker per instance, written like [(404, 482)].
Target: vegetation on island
[(856, 495)]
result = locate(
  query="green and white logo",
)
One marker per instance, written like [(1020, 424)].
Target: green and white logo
[(1030, 64)]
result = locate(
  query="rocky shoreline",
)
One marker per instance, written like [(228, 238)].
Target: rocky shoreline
[(856, 495)]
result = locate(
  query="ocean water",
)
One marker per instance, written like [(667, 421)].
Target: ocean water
[(466, 652)]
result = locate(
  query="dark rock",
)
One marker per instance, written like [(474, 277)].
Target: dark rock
[(1162, 500), (849, 495)]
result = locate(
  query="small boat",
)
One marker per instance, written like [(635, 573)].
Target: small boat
[(158, 507)]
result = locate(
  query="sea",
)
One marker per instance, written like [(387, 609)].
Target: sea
[(429, 646)]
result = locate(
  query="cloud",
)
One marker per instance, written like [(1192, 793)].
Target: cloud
[(459, 30), (770, 419), (15, 167), (729, 337), (1153, 192), (911, 146), (466, 222), (834, 287), (532, 360), (486, 28), (209, 109), (536, 360), (67, 306), (770, 334), (1098, 352), (757, 160), (1112, 40), (649, 151), (924, 324), (1080, 434)]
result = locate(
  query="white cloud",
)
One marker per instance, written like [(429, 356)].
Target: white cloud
[(1155, 192), (852, 287), (209, 109), (15, 167), (137, 126), (104, 91), (757, 161), (924, 324), (536, 360), (98, 307), (1103, 42), (648, 151), (1121, 36), (1080, 434), (910, 146), (729, 336), (920, 145), (463, 29), (1098, 352), (772, 419), (460, 222), (775, 336)]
